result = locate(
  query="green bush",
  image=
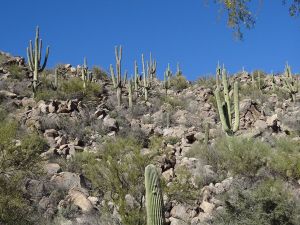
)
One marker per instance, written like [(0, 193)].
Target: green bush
[(68, 89), (208, 81), (179, 83), (267, 203), (285, 159), (115, 171), (99, 74), (175, 103), (18, 160), (239, 156), (16, 72)]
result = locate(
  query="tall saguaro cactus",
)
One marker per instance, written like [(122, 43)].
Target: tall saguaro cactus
[(289, 83), (167, 79), (117, 78), (136, 78), (146, 78), (218, 75), (154, 199), (152, 67), (130, 90), (224, 108), (84, 74), (34, 55)]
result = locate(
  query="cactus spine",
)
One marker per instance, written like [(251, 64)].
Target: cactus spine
[(154, 200), (34, 56), (224, 108), (117, 79), (289, 84)]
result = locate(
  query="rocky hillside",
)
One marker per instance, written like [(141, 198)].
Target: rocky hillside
[(76, 152)]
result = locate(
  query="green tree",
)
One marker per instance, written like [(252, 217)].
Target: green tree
[(239, 14)]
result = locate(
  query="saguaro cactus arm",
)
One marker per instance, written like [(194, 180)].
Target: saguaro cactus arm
[(236, 107), (154, 200)]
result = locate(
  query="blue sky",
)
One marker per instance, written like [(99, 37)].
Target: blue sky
[(184, 31)]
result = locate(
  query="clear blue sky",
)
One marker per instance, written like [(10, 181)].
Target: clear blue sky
[(184, 31)]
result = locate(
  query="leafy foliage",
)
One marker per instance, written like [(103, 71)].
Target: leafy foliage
[(116, 171), (267, 203), (18, 160)]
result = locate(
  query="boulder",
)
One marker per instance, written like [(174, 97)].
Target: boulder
[(80, 199), (110, 123), (65, 180)]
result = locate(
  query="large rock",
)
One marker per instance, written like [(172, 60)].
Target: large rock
[(80, 199), (198, 171), (66, 180), (175, 221), (52, 168), (110, 124)]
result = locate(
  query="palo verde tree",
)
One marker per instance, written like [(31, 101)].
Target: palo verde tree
[(239, 14)]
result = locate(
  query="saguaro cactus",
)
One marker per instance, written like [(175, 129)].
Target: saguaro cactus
[(146, 79), (84, 73), (152, 67), (136, 78), (289, 83), (34, 56), (167, 79), (225, 107), (154, 200), (218, 75), (55, 83), (117, 79), (178, 70), (130, 90)]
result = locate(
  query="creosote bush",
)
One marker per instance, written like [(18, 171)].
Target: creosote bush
[(69, 89), (239, 156), (116, 171), (266, 203), (286, 158), (18, 160), (16, 72), (179, 83)]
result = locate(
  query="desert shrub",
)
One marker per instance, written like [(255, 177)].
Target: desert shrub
[(172, 140), (206, 81), (247, 91), (175, 103), (16, 72), (68, 89), (18, 160), (3, 58), (179, 83), (285, 159), (181, 188), (267, 203), (239, 156), (115, 171), (99, 73)]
